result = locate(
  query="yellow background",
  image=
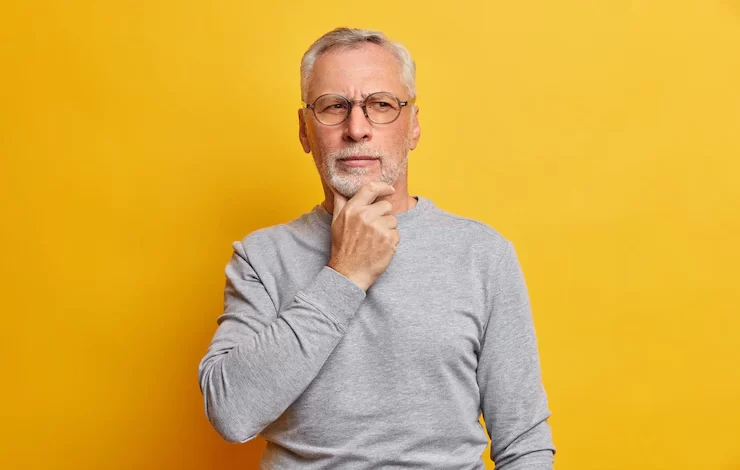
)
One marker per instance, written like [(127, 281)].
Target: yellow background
[(138, 139)]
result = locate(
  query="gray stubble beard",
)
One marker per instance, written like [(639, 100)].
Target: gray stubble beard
[(349, 180)]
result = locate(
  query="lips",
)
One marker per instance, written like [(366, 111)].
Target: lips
[(358, 157), (358, 161)]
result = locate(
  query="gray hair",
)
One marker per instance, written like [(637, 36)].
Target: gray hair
[(348, 37)]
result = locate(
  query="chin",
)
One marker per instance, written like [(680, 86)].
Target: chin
[(345, 187), (348, 186)]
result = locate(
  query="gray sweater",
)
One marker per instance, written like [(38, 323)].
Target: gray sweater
[(333, 377)]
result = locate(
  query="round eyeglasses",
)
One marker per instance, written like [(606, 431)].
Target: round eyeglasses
[(380, 108)]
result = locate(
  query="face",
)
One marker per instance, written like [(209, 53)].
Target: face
[(356, 73)]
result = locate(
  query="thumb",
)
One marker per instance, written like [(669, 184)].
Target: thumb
[(339, 203)]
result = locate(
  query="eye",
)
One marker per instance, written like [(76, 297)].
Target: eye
[(381, 105), (333, 107)]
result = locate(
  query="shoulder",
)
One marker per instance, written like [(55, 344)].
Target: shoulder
[(270, 239), (475, 234)]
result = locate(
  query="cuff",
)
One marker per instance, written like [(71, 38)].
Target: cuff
[(334, 295)]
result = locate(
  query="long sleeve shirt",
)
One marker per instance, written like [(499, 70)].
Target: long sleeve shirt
[(396, 377)]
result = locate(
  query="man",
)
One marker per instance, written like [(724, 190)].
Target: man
[(374, 330)]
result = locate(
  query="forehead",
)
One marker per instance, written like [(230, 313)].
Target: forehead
[(356, 72)]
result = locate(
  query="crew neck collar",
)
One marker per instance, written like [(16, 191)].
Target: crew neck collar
[(422, 206)]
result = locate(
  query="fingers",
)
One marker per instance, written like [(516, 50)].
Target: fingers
[(389, 221), (379, 209), (365, 197), (371, 191)]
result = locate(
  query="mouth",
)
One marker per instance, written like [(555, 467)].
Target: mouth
[(358, 161)]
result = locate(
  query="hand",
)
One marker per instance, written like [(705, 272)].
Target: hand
[(363, 234)]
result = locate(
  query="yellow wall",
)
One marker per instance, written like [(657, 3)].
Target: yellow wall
[(139, 138)]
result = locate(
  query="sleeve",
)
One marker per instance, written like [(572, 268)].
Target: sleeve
[(513, 399), (260, 360)]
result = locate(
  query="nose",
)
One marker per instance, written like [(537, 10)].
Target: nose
[(357, 127)]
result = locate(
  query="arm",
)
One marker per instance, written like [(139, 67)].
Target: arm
[(259, 360), (513, 399)]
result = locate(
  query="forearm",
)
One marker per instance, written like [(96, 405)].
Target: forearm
[(250, 385)]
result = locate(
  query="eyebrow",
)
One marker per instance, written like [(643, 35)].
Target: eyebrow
[(365, 95), (362, 95)]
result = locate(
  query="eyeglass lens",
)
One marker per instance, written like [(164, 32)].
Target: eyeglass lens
[(382, 108)]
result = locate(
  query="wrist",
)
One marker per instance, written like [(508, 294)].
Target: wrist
[(361, 281)]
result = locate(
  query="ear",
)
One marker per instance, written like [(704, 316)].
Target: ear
[(302, 133), (415, 129)]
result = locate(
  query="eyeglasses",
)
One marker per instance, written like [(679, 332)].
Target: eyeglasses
[(380, 108)]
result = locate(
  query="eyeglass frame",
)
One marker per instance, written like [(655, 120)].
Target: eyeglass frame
[(363, 106)]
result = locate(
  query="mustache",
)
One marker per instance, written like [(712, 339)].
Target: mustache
[(355, 151)]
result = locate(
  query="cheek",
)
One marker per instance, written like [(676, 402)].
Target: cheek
[(324, 138), (401, 134)]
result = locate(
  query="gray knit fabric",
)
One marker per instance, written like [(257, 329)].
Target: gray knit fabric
[(333, 377)]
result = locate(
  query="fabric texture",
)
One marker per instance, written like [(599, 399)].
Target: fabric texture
[(333, 377)]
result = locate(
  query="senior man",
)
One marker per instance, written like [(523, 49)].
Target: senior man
[(372, 331)]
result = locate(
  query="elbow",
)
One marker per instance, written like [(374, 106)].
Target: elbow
[(532, 449), (537, 460), (228, 415), (230, 423), (231, 431)]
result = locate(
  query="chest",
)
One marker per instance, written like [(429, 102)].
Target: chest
[(425, 314)]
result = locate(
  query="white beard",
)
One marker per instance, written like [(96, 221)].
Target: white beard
[(348, 180)]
